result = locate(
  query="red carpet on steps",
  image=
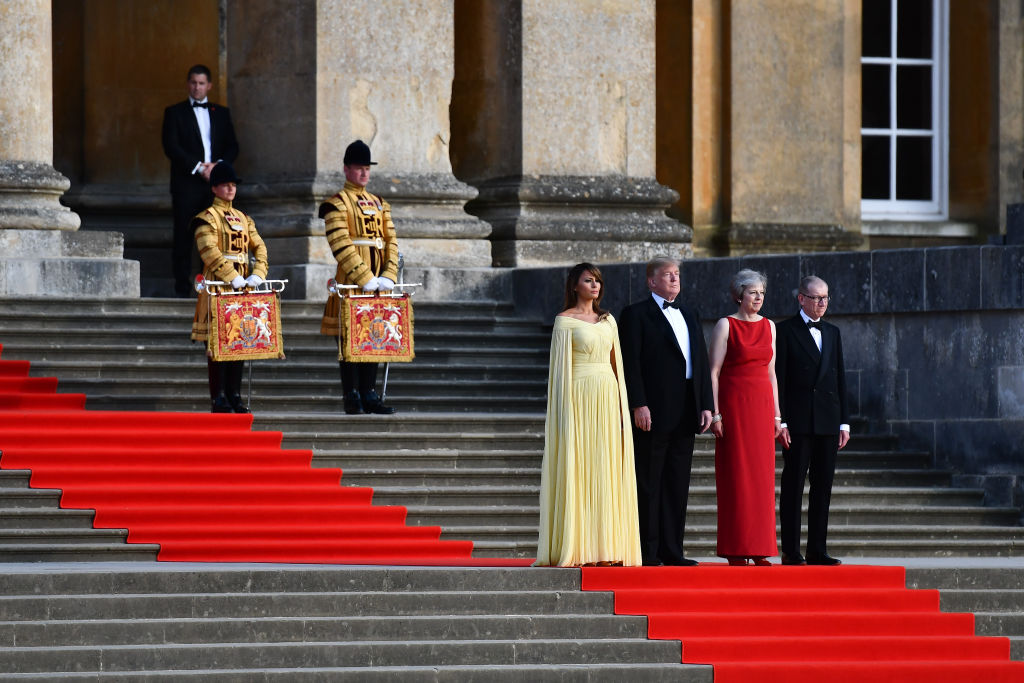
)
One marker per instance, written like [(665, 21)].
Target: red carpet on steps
[(847, 624), (205, 487)]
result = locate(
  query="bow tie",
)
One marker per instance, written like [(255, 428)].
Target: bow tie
[(669, 304), (204, 105), (817, 325)]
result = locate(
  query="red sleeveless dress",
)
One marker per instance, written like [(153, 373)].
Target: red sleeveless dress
[(745, 455)]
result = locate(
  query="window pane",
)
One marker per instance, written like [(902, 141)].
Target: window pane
[(914, 168), (875, 167), (914, 29), (877, 21), (914, 97), (875, 96)]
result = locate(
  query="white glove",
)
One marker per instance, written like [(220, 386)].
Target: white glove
[(372, 285), (238, 282), (386, 284), (254, 280)]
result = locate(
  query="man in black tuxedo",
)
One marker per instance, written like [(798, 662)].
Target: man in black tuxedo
[(196, 135), (815, 419), (669, 388)]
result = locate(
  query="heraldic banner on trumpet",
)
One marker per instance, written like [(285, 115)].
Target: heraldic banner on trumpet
[(246, 327), (377, 329)]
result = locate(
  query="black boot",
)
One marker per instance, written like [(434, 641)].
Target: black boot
[(353, 403), (218, 401), (233, 385), (367, 390), (372, 404)]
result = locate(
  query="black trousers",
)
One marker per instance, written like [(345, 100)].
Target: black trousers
[(225, 378), (361, 377), (663, 462), (185, 204), (810, 456)]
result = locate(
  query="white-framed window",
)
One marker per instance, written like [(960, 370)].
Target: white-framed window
[(905, 111)]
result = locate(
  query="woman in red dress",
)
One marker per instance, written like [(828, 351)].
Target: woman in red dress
[(745, 424)]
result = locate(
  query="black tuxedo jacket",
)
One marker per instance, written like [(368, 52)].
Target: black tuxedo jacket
[(655, 368), (812, 384), (183, 144)]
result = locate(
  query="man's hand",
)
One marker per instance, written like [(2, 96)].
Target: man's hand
[(254, 280), (642, 418), (238, 282), (205, 170), (372, 285), (386, 284), (844, 438), (705, 420), (783, 437)]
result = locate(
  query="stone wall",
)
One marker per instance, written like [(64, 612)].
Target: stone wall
[(933, 341)]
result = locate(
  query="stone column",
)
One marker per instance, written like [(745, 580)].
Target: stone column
[(557, 99), (29, 185), (309, 77), (793, 116), (1010, 93), (41, 251)]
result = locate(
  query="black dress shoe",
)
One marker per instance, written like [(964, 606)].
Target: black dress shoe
[(652, 562), (681, 562), (236, 404), (373, 404), (353, 404), (795, 560), (825, 560)]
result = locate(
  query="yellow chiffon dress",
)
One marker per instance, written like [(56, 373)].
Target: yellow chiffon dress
[(588, 508)]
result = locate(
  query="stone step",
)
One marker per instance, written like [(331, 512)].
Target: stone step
[(339, 653), (45, 518), (79, 552), (839, 515), (266, 389), (498, 492), (411, 472), (496, 673), (349, 628), (292, 371)]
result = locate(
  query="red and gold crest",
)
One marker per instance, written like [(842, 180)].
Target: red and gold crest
[(377, 328), (245, 326)]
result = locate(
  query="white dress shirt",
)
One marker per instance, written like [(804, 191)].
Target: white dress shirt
[(815, 332), (682, 331), (203, 119)]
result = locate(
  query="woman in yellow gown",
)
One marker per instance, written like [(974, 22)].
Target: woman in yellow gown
[(588, 508)]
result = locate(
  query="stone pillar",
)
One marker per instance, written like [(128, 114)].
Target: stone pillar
[(1010, 38), (41, 251), (309, 77), (556, 97), (793, 117), (29, 185)]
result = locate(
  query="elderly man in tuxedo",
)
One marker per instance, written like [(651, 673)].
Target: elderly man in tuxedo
[(196, 135), (669, 388), (815, 419)]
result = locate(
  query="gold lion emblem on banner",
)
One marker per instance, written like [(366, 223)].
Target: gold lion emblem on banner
[(377, 328), (246, 327)]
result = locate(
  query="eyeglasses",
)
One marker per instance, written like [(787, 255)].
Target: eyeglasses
[(817, 299)]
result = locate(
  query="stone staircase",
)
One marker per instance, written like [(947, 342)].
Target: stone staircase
[(994, 594), (295, 623), (464, 453)]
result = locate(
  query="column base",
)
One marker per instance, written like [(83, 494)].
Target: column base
[(740, 239), (561, 220), (38, 263), (29, 197)]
